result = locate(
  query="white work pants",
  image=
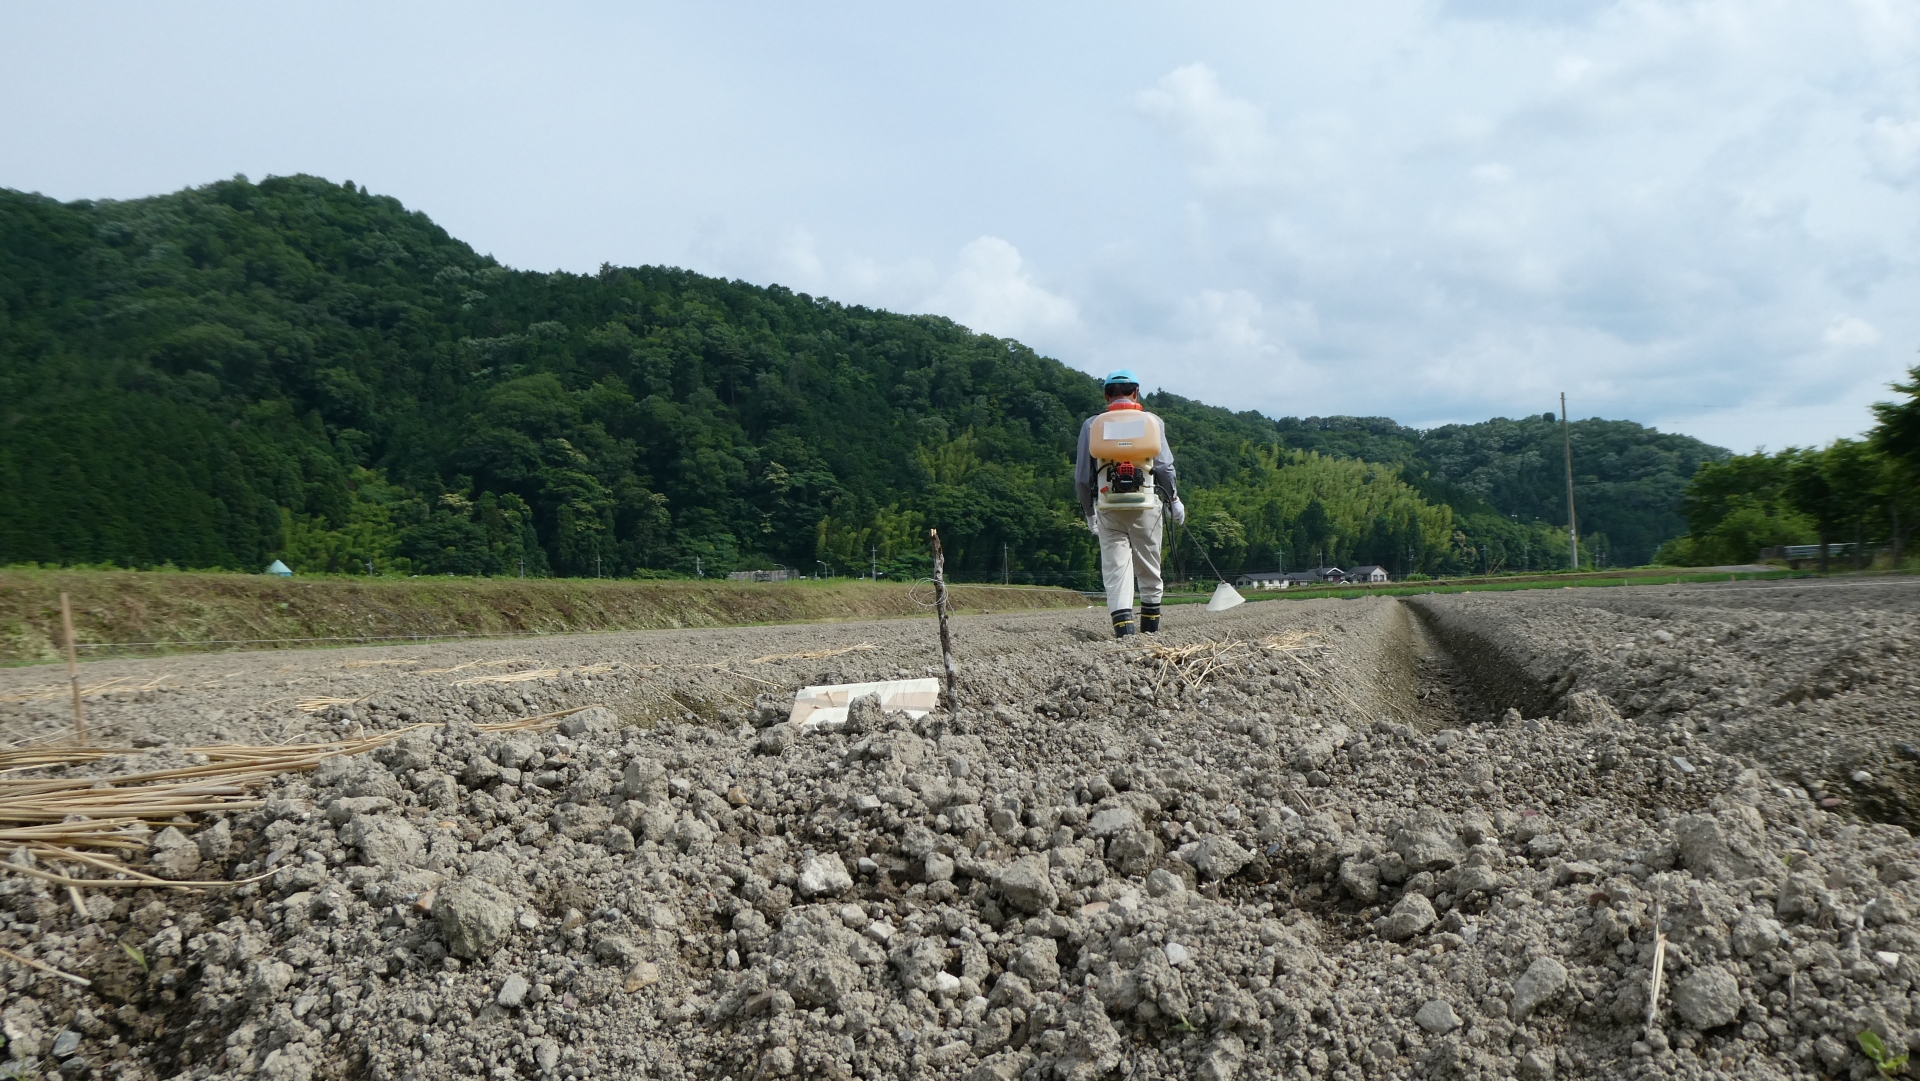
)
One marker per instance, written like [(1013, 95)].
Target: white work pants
[(1130, 548)]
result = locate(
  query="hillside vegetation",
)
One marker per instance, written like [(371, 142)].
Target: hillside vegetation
[(1859, 492), (298, 369)]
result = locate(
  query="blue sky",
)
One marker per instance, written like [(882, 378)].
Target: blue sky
[(1702, 216)]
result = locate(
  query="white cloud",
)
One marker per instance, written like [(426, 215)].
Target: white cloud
[(797, 256), (1230, 321), (1226, 135), (1893, 148), (992, 291), (1679, 211), (1849, 332), (1645, 208)]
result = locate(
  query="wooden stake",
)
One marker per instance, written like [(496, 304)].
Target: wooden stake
[(946, 635), (73, 670)]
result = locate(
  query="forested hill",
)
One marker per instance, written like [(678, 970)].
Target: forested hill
[(1629, 480), (298, 369)]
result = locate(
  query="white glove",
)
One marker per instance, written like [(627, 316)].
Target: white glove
[(1179, 510), (1093, 525)]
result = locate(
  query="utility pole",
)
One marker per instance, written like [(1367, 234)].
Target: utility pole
[(873, 556), (696, 568), (523, 566), (1004, 580), (1573, 522), (596, 566)]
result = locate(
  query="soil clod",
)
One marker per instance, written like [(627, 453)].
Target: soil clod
[(1454, 837)]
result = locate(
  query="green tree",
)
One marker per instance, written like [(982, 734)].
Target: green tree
[(1896, 435), (241, 371), (1897, 431), (1738, 506)]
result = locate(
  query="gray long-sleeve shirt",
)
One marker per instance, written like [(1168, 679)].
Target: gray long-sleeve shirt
[(1084, 484)]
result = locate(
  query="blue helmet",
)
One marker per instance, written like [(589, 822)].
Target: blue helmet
[(1120, 376)]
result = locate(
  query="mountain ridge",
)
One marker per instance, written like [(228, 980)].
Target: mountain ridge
[(299, 369)]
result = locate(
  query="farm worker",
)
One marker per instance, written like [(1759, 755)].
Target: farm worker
[(1122, 471)]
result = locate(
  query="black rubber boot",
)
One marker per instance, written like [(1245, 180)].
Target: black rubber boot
[(1123, 623), (1149, 618)]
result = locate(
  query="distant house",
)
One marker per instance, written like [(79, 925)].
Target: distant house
[(279, 569), (1370, 573), (1289, 579), (757, 576)]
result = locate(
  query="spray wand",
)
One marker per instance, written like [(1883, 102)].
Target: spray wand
[(1224, 595)]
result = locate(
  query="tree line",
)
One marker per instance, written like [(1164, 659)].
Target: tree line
[(1860, 492), (299, 369)]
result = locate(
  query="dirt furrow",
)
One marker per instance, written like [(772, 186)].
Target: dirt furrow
[(1298, 839)]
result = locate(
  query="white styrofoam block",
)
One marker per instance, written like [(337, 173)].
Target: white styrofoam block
[(826, 706)]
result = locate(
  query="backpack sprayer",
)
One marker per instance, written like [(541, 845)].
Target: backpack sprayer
[(1125, 442)]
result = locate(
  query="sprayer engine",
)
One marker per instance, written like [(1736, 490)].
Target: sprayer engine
[(1125, 486)]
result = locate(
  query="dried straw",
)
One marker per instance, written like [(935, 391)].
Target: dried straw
[(1287, 642), (712, 666), (502, 662), (316, 705), (42, 966), (60, 753), (1192, 664), (514, 677), (813, 655), (1658, 976), (115, 685), (91, 821)]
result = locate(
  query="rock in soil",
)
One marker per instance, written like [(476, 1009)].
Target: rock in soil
[(1370, 838)]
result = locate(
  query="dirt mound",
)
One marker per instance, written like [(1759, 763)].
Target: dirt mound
[(138, 612), (1281, 842)]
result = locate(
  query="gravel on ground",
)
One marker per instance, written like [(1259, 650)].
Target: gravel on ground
[(1440, 837)]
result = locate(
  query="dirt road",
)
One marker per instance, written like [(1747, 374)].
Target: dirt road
[(1444, 837)]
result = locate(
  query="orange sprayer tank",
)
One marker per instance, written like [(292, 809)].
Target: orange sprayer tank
[(1126, 435)]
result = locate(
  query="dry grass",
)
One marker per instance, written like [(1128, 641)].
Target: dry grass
[(813, 655), (1194, 664), (1288, 641), (316, 705), (94, 822), (511, 677), (51, 752), (118, 684), (501, 663)]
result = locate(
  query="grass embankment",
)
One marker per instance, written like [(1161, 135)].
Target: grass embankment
[(119, 612), (1635, 577)]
